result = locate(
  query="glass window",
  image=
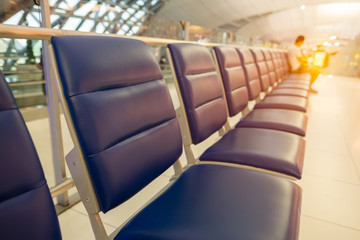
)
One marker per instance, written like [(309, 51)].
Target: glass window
[(15, 19), (140, 3), (72, 3), (98, 11), (139, 14), (85, 9), (60, 10), (72, 23), (125, 28), (20, 43), (111, 16), (153, 2), (125, 15), (32, 21), (54, 18), (135, 29), (93, 14), (64, 6), (118, 9), (52, 2), (130, 10), (100, 28), (3, 44), (87, 25), (121, 32), (72, 14)]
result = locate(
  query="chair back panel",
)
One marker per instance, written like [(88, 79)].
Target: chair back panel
[(121, 110), (251, 72), (277, 64), (284, 58), (262, 69), (201, 89), (270, 66), (233, 77)]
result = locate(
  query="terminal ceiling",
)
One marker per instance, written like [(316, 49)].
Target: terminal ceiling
[(279, 20)]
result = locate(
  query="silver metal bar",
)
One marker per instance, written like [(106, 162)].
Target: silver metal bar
[(186, 31), (61, 188), (75, 158), (182, 118), (58, 157), (18, 84), (178, 170), (98, 227), (23, 32)]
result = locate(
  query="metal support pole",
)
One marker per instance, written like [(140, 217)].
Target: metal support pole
[(230, 38), (185, 27), (53, 110)]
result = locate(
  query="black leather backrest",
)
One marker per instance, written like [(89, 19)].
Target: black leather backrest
[(262, 68), (122, 113), (200, 88), (251, 72), (26, 207), (270, 66), (233, 76)]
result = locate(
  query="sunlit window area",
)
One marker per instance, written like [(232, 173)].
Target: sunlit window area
[(85, 15), (21, 59)]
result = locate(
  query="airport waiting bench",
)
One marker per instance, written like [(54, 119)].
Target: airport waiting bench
[(125, 131), (254, 84), (275, 80), (203, 112), (235, 79), (116, 101), (285, 79)]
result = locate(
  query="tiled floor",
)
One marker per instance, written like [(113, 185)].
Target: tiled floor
[(331, 179)]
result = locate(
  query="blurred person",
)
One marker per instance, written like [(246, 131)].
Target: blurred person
[(321, 57), (298, 62)]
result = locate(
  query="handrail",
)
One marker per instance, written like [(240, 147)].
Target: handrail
[(27, 83), (40, 33), (62, 187)]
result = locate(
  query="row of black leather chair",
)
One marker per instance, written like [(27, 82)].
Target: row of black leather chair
[(281, 72), (126, 133), (269, 138), (235, 75), (294, 80)]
